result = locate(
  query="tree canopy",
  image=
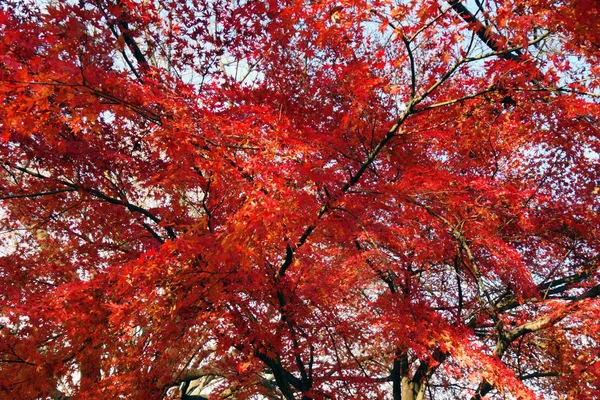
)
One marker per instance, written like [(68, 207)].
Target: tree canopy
[(299, 199)]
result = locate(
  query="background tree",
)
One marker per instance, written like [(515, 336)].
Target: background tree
[(299, 199)]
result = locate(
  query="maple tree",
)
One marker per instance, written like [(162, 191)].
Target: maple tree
[(299, 199)]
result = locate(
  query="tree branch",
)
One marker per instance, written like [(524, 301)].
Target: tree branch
[(33, 195), (482, 31), (95, 193), (133, 46)]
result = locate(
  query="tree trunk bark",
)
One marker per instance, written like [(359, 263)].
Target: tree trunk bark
[(412, 390)]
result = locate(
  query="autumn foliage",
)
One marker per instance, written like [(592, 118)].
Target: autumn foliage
[(299, 199)]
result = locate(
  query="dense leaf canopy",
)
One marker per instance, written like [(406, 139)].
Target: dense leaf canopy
[(299, 199)]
